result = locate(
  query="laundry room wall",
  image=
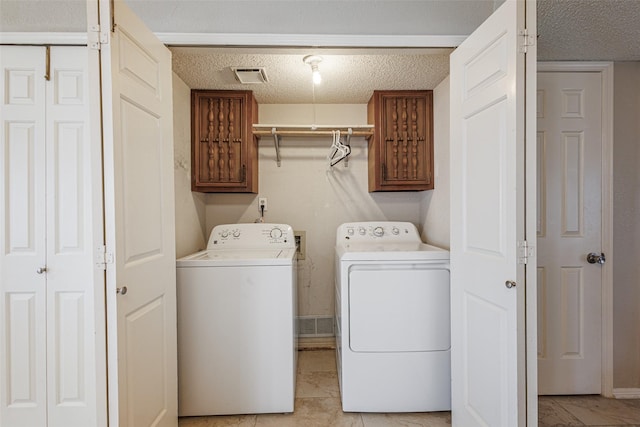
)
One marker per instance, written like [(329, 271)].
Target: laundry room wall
[(190, 207), (626, 228), (434, 207), (308, 194)]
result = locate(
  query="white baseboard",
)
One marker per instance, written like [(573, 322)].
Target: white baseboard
[(626, 393)]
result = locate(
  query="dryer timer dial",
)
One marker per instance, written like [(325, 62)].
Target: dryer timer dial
[(275, 233), (378, 231)]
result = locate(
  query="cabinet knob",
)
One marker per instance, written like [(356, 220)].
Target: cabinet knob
[(122, 290), (41, 270)]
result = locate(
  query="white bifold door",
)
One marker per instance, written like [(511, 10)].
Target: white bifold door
[(52, 339), (492, 271), (137, 107)]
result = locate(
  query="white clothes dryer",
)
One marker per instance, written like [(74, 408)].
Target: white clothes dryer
[(237, 304), (392, 319)]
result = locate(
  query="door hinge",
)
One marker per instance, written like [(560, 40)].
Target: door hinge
[(526, 40), (524, 252), (103, 257), (97, 37)]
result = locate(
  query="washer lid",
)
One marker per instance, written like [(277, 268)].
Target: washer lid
[(219, 258), (396, 251)]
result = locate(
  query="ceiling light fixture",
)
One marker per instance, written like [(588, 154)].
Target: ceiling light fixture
[(313, 61)]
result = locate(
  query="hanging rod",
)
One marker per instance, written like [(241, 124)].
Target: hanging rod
[(365, 133), (278, 131)]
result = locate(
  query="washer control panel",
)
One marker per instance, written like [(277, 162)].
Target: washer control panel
[(251, 236), (391, 231)]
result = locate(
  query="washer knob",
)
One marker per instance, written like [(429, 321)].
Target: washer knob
[(350, 232), (378, 231), (236, 233), (362, 231), (275, 233), (395, 231), (225, 234)]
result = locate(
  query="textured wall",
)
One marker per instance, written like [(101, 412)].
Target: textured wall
[(626, 226), (190, 208), (434, 209)]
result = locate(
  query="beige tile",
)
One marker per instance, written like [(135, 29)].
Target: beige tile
[(631, 403), (317, 361), (597, 410), (551, 413), (312, 412), (422, 419), (317, 384), (218, 421)]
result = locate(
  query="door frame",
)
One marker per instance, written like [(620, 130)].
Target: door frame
[(606, 72)]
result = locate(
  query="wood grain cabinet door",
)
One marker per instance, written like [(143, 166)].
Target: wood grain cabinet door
[(401, 150), (224, 154)]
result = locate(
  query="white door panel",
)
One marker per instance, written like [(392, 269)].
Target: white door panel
[(51, 218), (569, 227), (75, 283), (487, 216), (23, 393), (137, 104)]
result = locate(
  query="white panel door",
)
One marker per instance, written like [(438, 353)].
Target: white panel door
[(74, 281), (52, 290), (23, 387), (569, 227), (488, 351), (139, 215)]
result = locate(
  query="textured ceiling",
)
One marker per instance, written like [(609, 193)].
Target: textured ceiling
[(606, 30), (348, 76), (585, 30)]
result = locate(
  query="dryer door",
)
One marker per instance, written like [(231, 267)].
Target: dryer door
[(399, 308)]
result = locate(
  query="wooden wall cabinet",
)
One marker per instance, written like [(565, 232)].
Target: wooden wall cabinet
[(401, 150), (224, 152)]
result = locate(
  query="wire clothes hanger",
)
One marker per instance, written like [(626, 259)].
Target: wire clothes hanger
[(339, 151)]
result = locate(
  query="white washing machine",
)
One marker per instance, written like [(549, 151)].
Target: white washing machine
[(392, 319), (237, 344)]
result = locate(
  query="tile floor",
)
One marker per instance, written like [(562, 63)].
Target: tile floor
[(572, 411), (318, 404)]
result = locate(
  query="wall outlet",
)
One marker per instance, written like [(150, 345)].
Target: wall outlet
[(262, 201), (301, 243)]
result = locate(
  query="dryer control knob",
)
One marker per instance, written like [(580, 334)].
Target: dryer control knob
[(275, 233), (224, 234), (350, 232), (236, 233), (378, 231), (362, 231), (395, 231)]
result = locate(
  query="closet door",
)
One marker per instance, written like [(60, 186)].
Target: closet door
[(137, 107), (74, 280), (22, 244), (52, 339)]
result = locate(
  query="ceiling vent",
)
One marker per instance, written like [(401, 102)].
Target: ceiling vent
[(250, 75)]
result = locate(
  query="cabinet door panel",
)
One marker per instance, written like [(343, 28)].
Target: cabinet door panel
[(401, 151), (224, 152)]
